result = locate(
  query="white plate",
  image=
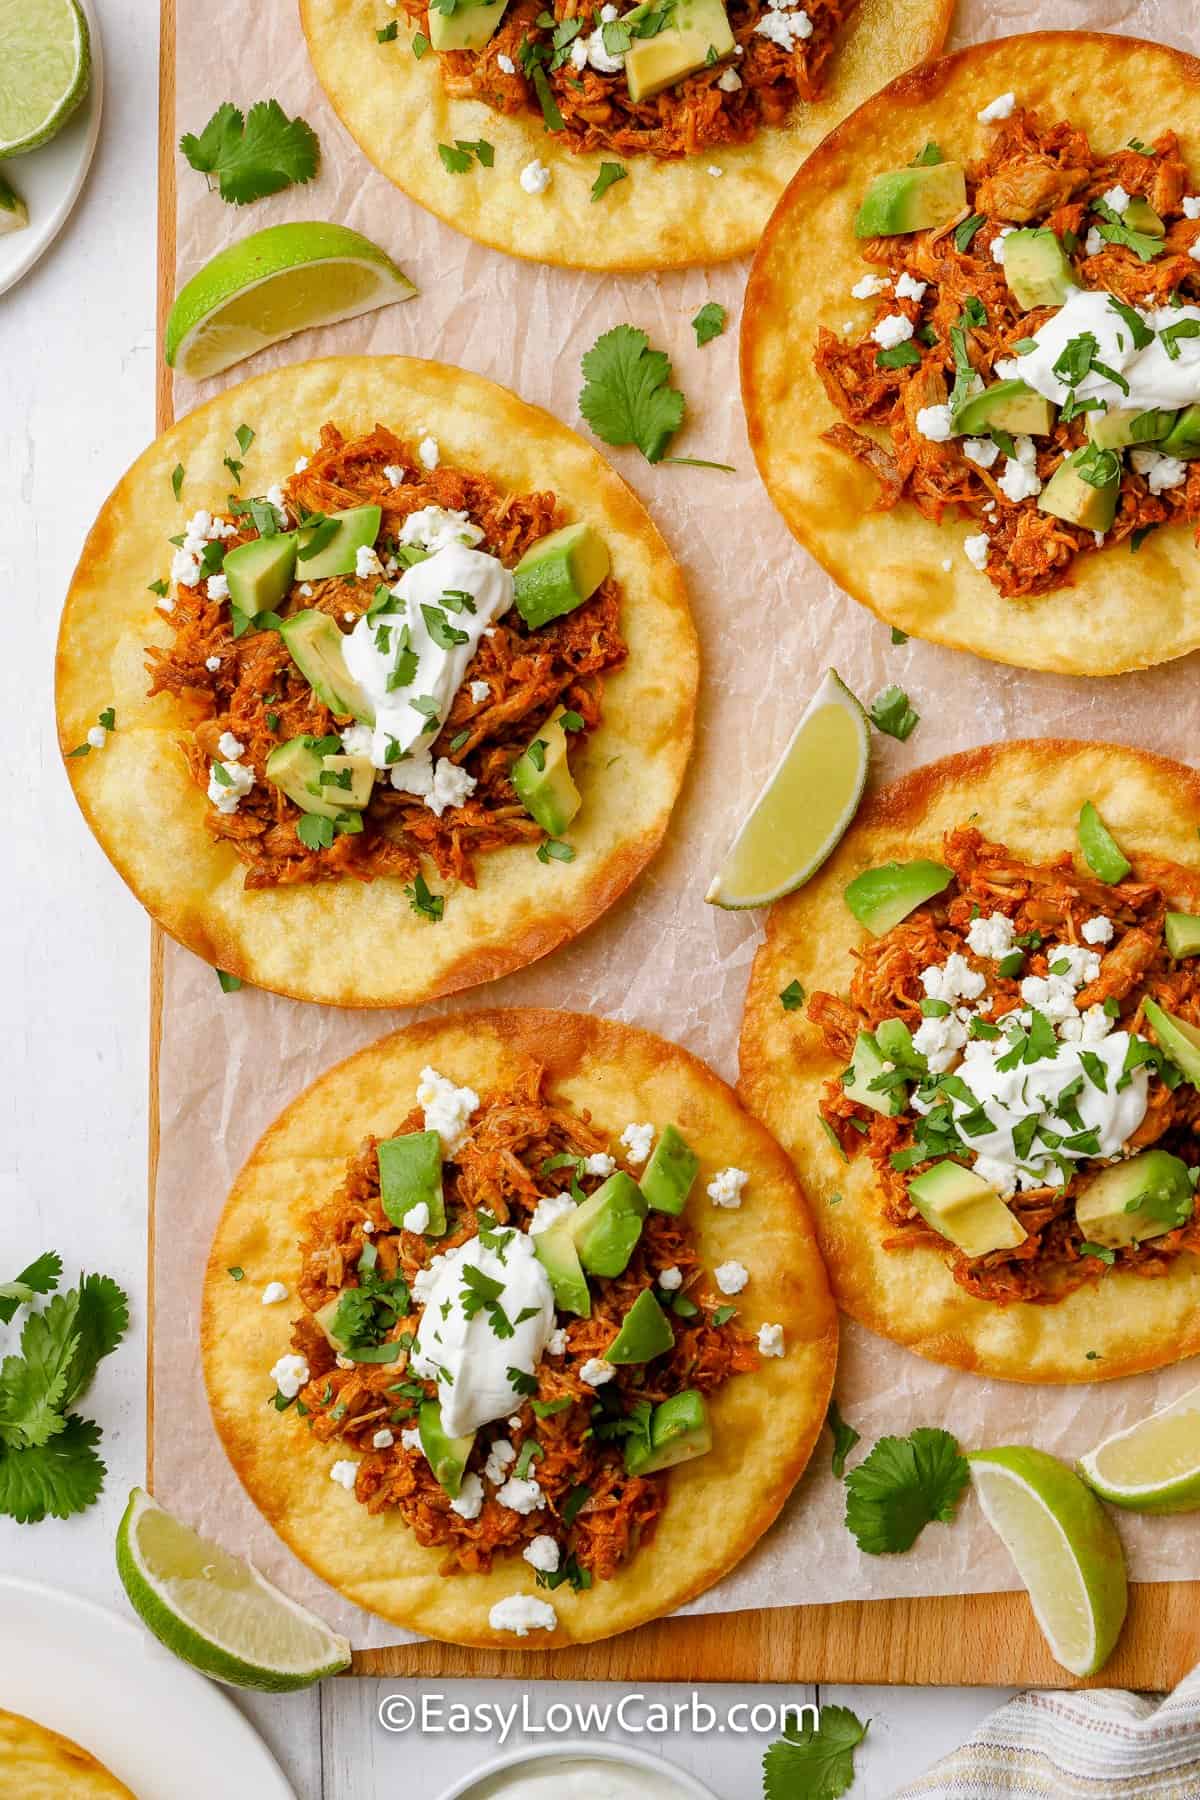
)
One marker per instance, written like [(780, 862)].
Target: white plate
[(49, 179), (102, 1680), (542, 1760)]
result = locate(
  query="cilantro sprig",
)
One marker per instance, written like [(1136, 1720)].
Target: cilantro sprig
[(253, 155), (902, 1486), (627, 396), (813, 1762)]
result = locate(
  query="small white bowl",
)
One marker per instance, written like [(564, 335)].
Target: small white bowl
[(689, 1788)]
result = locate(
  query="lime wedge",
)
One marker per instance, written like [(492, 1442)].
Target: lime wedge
[(1065, 1547), (14, 214), (214, 1610), (45, 61), (1154, 1466), (274, 283), (808, 801)]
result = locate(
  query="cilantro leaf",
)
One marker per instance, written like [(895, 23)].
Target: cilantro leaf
[(813, 1763), (709, 322), (792, 997), (892, 713), (902, 1486), (844, 1438), (255, 155), (60, 1477), (627, 397), (41, 1277), (610, 174)]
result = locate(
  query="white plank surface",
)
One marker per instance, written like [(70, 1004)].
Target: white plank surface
[(77, 358)]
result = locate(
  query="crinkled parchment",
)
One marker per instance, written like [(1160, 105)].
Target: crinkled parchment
[(770, 623)]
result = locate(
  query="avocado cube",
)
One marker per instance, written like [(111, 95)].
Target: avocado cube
[(645, 1333), (297, 766), (911, 199), (555, 1250), (350, 780), (325, 1317), (880, 898), (698, 34), (559, 573), (965, 1209), (607, 1226), (668, 1176), (260, 573), (1177, 1039), (1069, 495), (1037, 268), (338, 555), (547, 792), (1139, 215), (446, 1456), (1183, 439), (468, 27), (410, 1171), (1122, 425), (315, 645), (1145, 1197), (866, 1068), (1011, 406), (1183, 934), (679, 1431)]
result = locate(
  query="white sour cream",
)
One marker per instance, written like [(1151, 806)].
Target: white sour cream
[(1155, 379), (578, 1778), (372, 648), (458, 1345)]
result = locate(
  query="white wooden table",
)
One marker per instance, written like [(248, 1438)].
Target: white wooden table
[(77, 363)]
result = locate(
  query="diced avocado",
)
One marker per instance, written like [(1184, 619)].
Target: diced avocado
[(1142, 1198), (1037, 269), (410, 1172), (880, 898), (1011, 406), (355, 528), (668, 1176), (555, 1250), (965, 1209), (1071, 496), (896, 1045), (467, 27), (548, 791), (315, 646), (1139, 215), (607, 1226), (14, 214), (1101, 851), (866, 1068), (261, 572), (355, 791), (911, 199), (1177, 1039), (697, 34), (1183, 439), (679, 1431), (324, 1318), (1122, 425), (645, 1332), (446, 1456), (560, 571), (1183, 934), (296, 768)]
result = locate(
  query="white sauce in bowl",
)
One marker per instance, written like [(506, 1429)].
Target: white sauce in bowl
[(577, 1778)]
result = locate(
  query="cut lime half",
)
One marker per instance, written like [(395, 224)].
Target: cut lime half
[(806, 805), (1153, 1466), (217, 1612), (45, 64), (272, 284), (1065, 1547)]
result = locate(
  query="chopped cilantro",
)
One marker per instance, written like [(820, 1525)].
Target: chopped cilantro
[(177, 478), (964, 234), (422, 900), (420, 44), (387, 34), (555, 849), (892, 713), (844, 1438), (1100, 1251), (792, 997), (897, 356), (229, 983), (254, 155), (610, 174), (236, 1273), (709, 322)]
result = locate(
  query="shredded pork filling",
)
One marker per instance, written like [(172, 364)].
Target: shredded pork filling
[(257, 693), (1048, 904), (595, 108), (1031, 176), (597, 1512)]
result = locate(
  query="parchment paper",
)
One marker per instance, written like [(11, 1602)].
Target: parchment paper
[(770, 623)]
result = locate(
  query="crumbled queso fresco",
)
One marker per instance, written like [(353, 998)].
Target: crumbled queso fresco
[(727, 1187), (447, 1108), (535, 177), (345, 1473), (770, 1340), (637, 1140), (273, 1293), (521, 1614), (290, 1374)]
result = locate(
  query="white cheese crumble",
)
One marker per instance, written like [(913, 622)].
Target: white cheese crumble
[(228, 795), (300, 465), (468, 1502), (1194, 251), (727, 1187), (731, 1277), (506, 65), (306, 589), (417, 1217), (447, 1108), (770, 1340), (981, 451), (228, 745), (999, 108), (714, 170), (428, 453), (892, 329), (277, 499), (433, 527), (290, 1374), (383, 1439), (212, 664), (542, 1554), (395, 474), (637, 1141), (975, 549), (908, 289), (500, 1457), (992, 936), (521, 1614), (670, 1279), (786, 28), (97, 737), (1161, 471), (596, 1371), (947, 565), (1191, 206), (933, 422), (1097, 930), (869, 286), (273, 1293), (521, 1496), (997, 244), (480, 691), (1093, 243), (599, 1163), (535, 177), (557, 1342), (345, 1473), (1117, 198), (411, 1439), (954, 979), (729, 81), (939, 1041), (217, 588), (366, 562), (185, 569), (442, 787), (548, 1211), (1020, 480)]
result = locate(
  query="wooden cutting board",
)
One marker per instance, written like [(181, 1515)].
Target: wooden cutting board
[(984, 1640)]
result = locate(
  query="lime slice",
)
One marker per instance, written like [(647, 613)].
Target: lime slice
[(272, 284), (45, 61), (215, 1611), (809, 800), (1154, 1466), (14, 214), (1065, 1547)]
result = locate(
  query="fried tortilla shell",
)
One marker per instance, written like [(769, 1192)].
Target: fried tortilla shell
[(1027, 796), (1119, 611), (346, 942), (764, 1423), (37, 1764), (664, 215)]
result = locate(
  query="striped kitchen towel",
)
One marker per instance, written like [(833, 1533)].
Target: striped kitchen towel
[(1099, 1745)]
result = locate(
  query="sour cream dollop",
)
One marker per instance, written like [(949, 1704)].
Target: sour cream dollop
[(1155, 379), (458, 1344)]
